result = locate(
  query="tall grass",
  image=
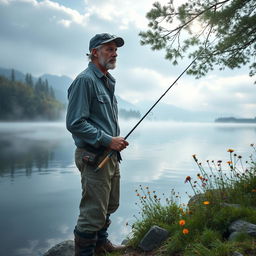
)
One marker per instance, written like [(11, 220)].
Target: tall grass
[(223, 193)]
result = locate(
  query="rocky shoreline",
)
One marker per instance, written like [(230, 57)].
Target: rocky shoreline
[(157, 235)]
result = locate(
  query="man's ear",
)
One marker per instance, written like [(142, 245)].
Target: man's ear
[(95, 53)]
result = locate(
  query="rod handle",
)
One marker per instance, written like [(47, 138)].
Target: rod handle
[(103, 163)]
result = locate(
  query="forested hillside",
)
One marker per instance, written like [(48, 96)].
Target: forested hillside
[(28, 101)]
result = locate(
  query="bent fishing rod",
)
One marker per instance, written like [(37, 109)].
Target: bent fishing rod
[(106, 159)]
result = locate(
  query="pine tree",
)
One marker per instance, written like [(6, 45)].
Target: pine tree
[(13, 75), (220, 32), (29, 80)]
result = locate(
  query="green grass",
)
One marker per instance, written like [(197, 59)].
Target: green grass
[(201, 229)]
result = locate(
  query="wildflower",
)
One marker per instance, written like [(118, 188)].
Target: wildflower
[(206, 202), (188, 179), (199, 176), (185, 231), (230, 150), (138, 194), (148, 192), (182, 222), (194, 156), (254, 190), (229, 162)]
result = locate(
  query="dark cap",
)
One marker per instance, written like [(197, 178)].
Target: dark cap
[(104, 38)]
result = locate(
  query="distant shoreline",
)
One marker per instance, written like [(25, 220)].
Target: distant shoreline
[(235, 120)]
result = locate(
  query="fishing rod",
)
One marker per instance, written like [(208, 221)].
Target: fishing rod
[(106, 159)]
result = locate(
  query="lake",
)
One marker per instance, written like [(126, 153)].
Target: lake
[(40, 185)]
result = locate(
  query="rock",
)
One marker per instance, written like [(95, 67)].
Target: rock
[(154, 237), (196, 200), (232, 205), (237, 254), (234, 235), (125, 242), (66, 248), (243, 226)]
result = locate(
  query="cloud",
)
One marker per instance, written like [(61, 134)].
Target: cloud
[(144, 83), (126, 12), (48, 37), (234, 95)]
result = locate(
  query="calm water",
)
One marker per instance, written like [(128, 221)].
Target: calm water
[(40, 186)]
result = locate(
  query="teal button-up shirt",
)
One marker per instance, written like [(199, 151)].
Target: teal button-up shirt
[(92, 115)]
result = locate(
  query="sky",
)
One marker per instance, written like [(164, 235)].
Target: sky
[(52, 36)]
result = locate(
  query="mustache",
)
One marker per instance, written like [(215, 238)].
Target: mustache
[(112, 60)]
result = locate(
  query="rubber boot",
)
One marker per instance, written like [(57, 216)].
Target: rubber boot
[(103, 234), (85, 243), (103, 245)]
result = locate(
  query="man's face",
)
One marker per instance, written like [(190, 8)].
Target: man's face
[(107, 54)]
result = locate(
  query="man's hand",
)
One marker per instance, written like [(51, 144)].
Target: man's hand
[(118, 143)]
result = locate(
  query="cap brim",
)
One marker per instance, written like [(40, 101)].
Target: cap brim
[(118, 40)]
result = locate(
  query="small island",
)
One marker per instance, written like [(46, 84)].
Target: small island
[(235, 120)]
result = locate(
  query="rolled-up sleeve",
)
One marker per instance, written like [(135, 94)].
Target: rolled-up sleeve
[(78, 114)]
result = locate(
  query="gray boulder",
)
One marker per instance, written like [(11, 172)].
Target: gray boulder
[(66, 248), (153, 239), (237, 254), (243, 226)]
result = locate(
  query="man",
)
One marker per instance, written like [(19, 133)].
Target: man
[(92, 120)]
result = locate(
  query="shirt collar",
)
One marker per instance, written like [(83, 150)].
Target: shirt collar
[(98, 73)]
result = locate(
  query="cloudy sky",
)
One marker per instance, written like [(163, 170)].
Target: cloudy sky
[(51, 36)]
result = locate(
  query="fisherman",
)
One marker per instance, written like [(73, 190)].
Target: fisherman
[(92, 118)]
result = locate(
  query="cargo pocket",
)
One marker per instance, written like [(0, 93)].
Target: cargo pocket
[(80, 164)]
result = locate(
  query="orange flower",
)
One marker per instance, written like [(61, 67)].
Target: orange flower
[(185, 231), (254, 190), (194, 156), (229, 162), (230, 150), (206, 202), (188, 179), (182, 222)]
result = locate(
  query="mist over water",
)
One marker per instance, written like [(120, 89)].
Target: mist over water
[(40, 186)]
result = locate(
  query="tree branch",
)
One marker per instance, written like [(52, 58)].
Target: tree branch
[(196, 16)]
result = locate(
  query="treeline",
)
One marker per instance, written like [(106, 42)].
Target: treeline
[(28, 100), (129, 114)]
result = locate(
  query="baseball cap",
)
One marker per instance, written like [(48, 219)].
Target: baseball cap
[(104, 38)]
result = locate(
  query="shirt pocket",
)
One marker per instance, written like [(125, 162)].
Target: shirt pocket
[(101, 106), (103, 99)]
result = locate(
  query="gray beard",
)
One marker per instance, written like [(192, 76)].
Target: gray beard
[(105, 64)]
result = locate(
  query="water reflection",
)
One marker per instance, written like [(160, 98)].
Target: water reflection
[(32, 148), (21, 154)]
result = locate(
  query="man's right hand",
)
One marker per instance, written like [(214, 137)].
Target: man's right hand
[(118, 143)]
